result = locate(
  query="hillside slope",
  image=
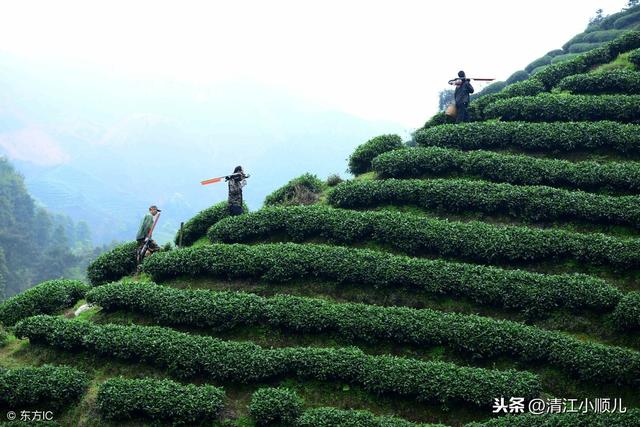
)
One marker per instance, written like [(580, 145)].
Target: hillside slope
[(494, 265)]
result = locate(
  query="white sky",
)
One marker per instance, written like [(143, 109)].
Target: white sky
[(375, 59)]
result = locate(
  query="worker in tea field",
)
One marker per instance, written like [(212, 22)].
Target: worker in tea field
[(146, 245), (461, 96), (236, 180)]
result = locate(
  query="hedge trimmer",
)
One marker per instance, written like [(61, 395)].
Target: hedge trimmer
[(143, 250), (220, 178)]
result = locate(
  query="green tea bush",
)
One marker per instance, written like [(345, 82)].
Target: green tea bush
[(634, 57), (189, 355), (417, 235), (530, 292), (594, 37), (536, 203), (510, 168), (583, 47), (360, 160), (627, 313), (561, 107), (333, 180), (159, 400), (303, 190), (113, 265), (568, 419), (275, 405), (518, 76), (474, 335), (544, 60), (437, 120), (612, 81), (627, 20), (332, 417), (197, 226), (563, 58), (528, 87), (538, 137), (46, 298), (49, 387), (4, 337)]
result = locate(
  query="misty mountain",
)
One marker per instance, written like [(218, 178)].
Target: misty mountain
[(101, 147)]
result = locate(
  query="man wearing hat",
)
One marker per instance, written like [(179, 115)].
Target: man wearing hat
[(461, 95), (145, 230)]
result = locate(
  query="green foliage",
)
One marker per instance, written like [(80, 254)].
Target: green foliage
[(333, 180), (627, 21), (544, 60), (113, 265), (46, 298), (474, 335), (555, 52), (593, 37), (552, 107), (35, 245), (538, 137), (591, 419), (552, 74), (621, 81), (4, 337), (272, 405), (533, 202), (414, 234), (514, 169), (583, 47), (303, 190), (197, 226), (634, 57), (360, 160), (494, 87), (52, 386), (331, 417), (522, 290), (627, 313), (517, 77), (529, 87), (189, 355), (562, 58), (437, 120), (159, 400)]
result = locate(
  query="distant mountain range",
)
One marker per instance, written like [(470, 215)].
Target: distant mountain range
[(102, 148)]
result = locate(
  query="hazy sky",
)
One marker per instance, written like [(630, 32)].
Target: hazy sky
[(375, 59)]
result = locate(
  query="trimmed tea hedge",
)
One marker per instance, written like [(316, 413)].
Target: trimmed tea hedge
[(417, 234), (583, 47), (360, 160), (535, 203), (549, 107), (190, 355), (594, 37), (634, 57), (197, 226), (485, 285), (48, 387), (629, 419), (474, 335), (553, 137), (46, 298), (332, 417), (621, 81), (627, 313), (113, 265), (509, 168), (285, 194), (159, 400), (271, 405)]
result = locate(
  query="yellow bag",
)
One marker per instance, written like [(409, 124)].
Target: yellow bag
[(451, 110)]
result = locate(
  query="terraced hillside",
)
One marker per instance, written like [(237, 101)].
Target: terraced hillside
[(493, 265)]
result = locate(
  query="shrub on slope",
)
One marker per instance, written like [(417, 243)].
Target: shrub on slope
[(621, 81), (303, 190), (518, 289), (113, 265), (45, 298), (360, 160), (509, 168), (545, 137), (415, 234), (197, 226), (188, 355)]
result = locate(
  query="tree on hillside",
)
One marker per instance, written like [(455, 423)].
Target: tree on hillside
[(632, 3), (598, 18), (445, 98)]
